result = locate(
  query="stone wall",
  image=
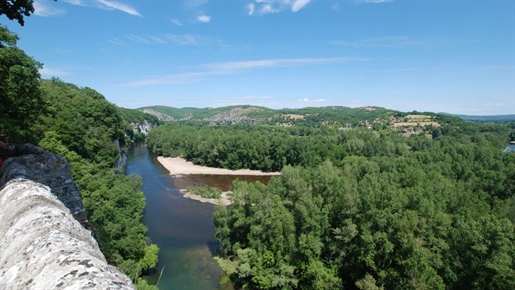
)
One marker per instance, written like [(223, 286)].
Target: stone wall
[(45, 239)]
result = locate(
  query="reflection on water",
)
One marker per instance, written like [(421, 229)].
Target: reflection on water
[(182, 228), (222, 182)]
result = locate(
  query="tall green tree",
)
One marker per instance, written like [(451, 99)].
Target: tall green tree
[(20, 97)]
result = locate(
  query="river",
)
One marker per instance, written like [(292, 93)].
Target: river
[(182, 228)]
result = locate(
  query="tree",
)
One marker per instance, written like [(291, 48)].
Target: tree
[(17, 9), (20, 96)]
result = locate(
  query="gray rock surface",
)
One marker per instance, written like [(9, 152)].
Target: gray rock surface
[(44, 247), (46, 241), (34, 163)]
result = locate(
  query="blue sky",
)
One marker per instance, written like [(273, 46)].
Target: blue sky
[(440, 56)]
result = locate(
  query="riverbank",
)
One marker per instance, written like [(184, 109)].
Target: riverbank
[(179, 167)]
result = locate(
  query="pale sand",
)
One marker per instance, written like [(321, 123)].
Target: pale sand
[(224, 198), (178, 166)]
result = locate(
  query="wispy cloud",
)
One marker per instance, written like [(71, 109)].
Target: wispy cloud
[(261, 7), (106, 4), (120, 6), (226, 68), (48, 72), (204, 18), (182, 40), (306, 100), (118, 41), (44, 9), (251, 8), (382, 42), (192, 4), (75, 2), (408, 69), (252, 64), (298, 4), (176, 22), (403, 42), (375, 1), (252, 98)]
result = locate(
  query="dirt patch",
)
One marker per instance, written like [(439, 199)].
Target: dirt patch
[(294, 116), (409, 124)]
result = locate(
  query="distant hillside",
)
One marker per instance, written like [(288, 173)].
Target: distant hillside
[(491, 118), (254, 114), (230, 114)]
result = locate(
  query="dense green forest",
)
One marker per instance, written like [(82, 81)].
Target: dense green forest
[(81, 125), (362, 208)]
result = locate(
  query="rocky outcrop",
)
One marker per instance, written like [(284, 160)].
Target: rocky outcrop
[(143, 127), (122, 158), (159, 115), (46, 240), (34, 163), (44, 247)]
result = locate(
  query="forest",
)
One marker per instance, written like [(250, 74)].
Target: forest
[(356, 206), (81, 125), (361, 208)]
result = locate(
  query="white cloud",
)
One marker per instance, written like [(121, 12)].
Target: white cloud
[(117, 41), (183, 40), (251, 64), (273, 6), (304, 100), (43, 8), (383, 42), (376, 1), (48, 72), (321, 100), (267, 8), (105, 4), (252, 98), (75, 2), (176, 22), (120, 6), (251, 7), (226, 68), (192, 4), (204, 18), (298, 4)]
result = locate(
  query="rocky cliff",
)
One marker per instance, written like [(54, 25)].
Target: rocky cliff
[(46, 241)]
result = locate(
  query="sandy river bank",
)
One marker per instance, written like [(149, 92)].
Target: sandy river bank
[(178, 166)]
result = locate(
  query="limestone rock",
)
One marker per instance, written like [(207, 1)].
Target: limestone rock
[(44, 247)]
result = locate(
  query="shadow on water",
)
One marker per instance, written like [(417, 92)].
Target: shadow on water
[(182, 228)]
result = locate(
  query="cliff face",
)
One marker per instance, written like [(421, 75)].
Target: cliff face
[(143, 127), (43, 237)]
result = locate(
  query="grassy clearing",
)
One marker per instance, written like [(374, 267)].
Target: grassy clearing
[(205, 192)]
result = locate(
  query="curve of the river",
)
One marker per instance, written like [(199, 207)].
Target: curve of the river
[(182, 228)]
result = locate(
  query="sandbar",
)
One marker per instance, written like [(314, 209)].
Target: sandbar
[(179, 166)]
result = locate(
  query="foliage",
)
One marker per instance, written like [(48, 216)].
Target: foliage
[(137, 116), (205, 192), (132, 117), (204, 113), (357, 209), (19, 91), (85, 121), (17, 9), (79, 124)]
